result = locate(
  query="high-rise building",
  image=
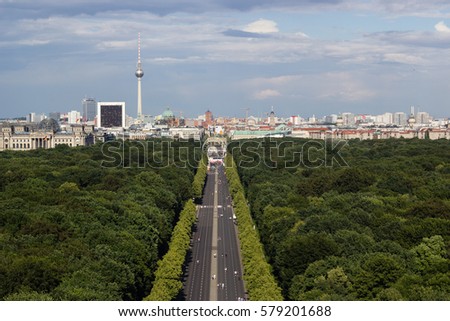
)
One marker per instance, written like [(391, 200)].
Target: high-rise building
[(73, 117), (208, 117), (348, 119), (31, 117), (295, 120), (423, 118), (111, 114), (385, 119), (400, 119), (89, 109), (331, 119), (139, 74)]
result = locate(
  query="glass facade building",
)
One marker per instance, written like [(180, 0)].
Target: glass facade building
[(89, 109), (111, 114)]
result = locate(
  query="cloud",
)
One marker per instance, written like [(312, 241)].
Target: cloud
[(266, 93), (413, 39), (441, 27), (429, 8), (403, 58), (45, 8), (321, 86), (262, 26), (243, 34)]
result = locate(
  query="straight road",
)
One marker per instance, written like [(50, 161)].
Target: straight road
[(215, 271), (231, 286), (198, 282)]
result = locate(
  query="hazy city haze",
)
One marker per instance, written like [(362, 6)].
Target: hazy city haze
[(302, 57)]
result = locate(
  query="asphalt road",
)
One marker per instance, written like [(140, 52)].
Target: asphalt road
[(215, 271), (230, 284)]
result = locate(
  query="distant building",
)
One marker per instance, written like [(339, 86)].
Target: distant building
[(411, 120), (111, 114), (278, 132), (21, 138), (400, 119), (312, 120), (89, 109), (147, 119), (385, 119), (423, 118), (331, 119), (168, 119), (55, 115), (252, 121), (73, 117), (271, 119), (295, 120), (348, 119), (208, 119), (364, 119), (186, 133), (34, 118)]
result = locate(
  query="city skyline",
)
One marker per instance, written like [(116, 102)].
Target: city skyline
[(301, 57)]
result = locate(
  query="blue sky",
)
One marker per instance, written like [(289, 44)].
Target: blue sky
[(303, 57)]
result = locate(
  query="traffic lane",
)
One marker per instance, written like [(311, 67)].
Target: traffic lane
[(223, 286), (237, 281), (233, 242), (205, 250), (227, 260), (231, 287), (231, 261), (198, 281), (199, 271), (205, 240)]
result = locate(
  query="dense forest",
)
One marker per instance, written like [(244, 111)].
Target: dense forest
[(90, 223), (363, 220)]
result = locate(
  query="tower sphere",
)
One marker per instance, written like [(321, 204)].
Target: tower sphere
[(139, 73)]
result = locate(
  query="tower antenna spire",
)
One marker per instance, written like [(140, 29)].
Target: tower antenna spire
[(139, 74), (139, 49)]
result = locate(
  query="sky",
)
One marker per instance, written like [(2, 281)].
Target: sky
[(301, 57)]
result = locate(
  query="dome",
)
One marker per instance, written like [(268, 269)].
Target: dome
[(49, 124), (167, 113)]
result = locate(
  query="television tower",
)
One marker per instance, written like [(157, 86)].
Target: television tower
[(139, 74)]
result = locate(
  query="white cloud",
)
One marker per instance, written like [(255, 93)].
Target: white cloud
[(341, 86), (441, 27), (108, 45), (262, 26), (266, 93), (403, 58), (329, 86)]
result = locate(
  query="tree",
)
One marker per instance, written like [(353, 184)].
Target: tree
[(298, 251), (379, 271), (87, 285), (352, 180), (430, 255)]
